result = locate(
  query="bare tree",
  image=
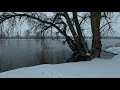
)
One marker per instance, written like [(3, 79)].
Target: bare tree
[(96, 41), (41, 21), (62, 22)]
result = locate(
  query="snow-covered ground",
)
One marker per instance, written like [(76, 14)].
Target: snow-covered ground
[(115, 50), (96, 68)]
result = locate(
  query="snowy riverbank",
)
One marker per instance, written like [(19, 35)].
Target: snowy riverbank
[(96, 68)]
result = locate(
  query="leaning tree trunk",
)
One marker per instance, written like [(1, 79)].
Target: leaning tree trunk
[(80, 48), (79, 32), (96, 41)]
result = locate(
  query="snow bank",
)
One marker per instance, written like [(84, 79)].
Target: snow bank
[(115, 50)]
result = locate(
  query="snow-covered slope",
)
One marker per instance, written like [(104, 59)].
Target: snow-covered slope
[(113, 49), (97, 68)]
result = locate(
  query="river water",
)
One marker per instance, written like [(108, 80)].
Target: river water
[(23, 53), (16, 53)]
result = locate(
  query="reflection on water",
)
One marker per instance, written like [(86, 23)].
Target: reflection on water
[(18, 53), (22, 53)]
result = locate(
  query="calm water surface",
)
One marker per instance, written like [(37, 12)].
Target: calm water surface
[(22, 53), (18, 53)]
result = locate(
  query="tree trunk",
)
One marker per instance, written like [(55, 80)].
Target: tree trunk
[(96, 41), (81, 38), (80, 48)]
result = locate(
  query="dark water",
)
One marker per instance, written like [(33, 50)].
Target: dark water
[(22, 53)]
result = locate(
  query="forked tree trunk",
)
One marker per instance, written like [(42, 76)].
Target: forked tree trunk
[(96, 41), (81, 48), (79, 32), (79, 45)]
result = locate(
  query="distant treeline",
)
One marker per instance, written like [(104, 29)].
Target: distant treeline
[(52, 37), (32, 37)]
